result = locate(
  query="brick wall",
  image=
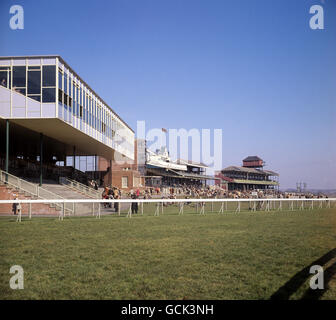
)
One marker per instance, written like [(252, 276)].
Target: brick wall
[(10, 194)]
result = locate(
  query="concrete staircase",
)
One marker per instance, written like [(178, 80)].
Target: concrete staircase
[(8, 193), (68, 193), (12, 187)]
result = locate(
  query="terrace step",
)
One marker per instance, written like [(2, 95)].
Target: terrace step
[(68, 193)]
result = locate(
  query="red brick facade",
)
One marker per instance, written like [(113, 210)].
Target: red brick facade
[(10, 194), (124, 176)]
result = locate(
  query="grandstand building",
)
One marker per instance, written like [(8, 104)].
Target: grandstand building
[(48, 113), (161, 171), (250, 176)]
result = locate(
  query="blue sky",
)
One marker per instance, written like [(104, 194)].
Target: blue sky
[(253, 68)]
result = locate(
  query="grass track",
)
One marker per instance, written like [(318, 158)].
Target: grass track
[(229, 256)]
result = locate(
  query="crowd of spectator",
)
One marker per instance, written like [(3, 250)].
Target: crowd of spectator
[(196, 192)]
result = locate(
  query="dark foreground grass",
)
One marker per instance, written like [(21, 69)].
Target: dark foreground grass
[(230, 256)]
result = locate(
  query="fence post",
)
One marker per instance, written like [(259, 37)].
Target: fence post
[(18, 219), (221, 208), (30, 210), (129, 214), (181, 208), (119, 204), (99, 210), (93, 208), (142, 204), (157, 210), (202, 208), (61, 216), (162, 207), (238, 207)]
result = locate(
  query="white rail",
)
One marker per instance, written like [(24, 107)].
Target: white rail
[(254, 204)]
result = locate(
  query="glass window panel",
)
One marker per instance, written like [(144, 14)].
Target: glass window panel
[(4, 78), (34, 82), (20, 90), (37, 98), (19, 76), (60, 80), (65, 89), (49, 76), (60, 95), (34, 68), (48, 95)]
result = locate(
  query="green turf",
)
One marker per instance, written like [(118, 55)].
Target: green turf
[(246, 255)]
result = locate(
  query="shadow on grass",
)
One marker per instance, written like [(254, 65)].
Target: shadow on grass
[(291, 286)]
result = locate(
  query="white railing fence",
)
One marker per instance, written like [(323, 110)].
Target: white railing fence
[(181, 206)]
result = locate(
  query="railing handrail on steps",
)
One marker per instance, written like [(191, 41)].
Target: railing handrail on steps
[(32, 189), (80, 187)]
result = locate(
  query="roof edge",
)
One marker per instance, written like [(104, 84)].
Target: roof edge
[(70, 68)]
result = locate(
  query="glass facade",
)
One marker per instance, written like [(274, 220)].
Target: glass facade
[(75, 102)]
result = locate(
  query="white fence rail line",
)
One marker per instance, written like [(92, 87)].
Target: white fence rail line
[(263, 204), (163, 200)]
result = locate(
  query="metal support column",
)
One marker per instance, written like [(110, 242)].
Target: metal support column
[(7, 148), (111, 172), (74, 157), (41, 159)]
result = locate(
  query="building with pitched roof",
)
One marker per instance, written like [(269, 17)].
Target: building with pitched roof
[(250, 176)]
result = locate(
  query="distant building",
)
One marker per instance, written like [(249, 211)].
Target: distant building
[(160, 170), (250, 176)]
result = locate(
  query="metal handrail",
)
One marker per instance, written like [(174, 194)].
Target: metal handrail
[(32, 189), (80, 187)]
